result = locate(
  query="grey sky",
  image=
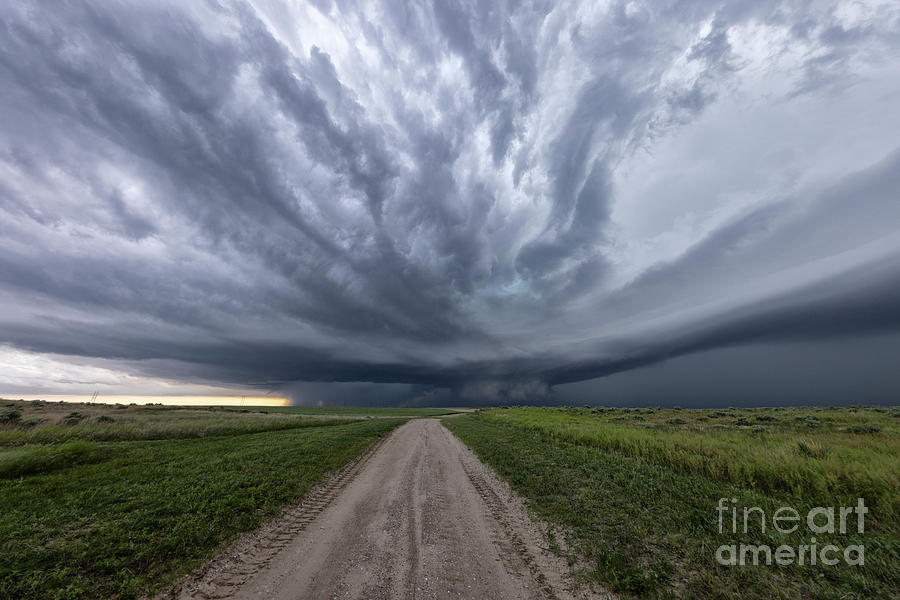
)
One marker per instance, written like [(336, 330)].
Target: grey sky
[(468, 201)]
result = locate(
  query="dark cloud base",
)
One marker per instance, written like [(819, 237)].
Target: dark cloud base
[(428, 214)]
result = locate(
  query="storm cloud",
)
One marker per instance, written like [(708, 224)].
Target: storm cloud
[(464, 201)]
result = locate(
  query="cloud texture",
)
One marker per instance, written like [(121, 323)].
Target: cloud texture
[(489, 197)]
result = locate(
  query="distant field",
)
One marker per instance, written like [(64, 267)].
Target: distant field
[(38, 422), (81, 518), (634, 492)]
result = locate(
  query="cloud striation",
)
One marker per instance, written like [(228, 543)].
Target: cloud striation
[(490, 198)]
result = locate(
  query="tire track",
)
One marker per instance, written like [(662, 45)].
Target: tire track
[(416, 516), (251, 553), (513, 549)]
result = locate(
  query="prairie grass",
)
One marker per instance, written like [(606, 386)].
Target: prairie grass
[(831, 459), (55, 423), (27, 460), (118, 520), (634, 499)]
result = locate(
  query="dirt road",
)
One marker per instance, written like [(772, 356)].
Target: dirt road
[(418, 516)]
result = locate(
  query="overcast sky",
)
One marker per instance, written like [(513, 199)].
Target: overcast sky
[(457, 201)]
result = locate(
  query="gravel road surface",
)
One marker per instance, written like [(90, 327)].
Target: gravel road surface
[(417, 516)]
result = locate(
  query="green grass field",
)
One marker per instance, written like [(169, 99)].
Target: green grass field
[(50, 423), (632, 494), (81, 518)]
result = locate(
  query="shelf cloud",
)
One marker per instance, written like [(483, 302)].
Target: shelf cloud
[(447, 202)]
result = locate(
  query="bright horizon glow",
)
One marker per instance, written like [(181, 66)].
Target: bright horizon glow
[(169, 400)]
